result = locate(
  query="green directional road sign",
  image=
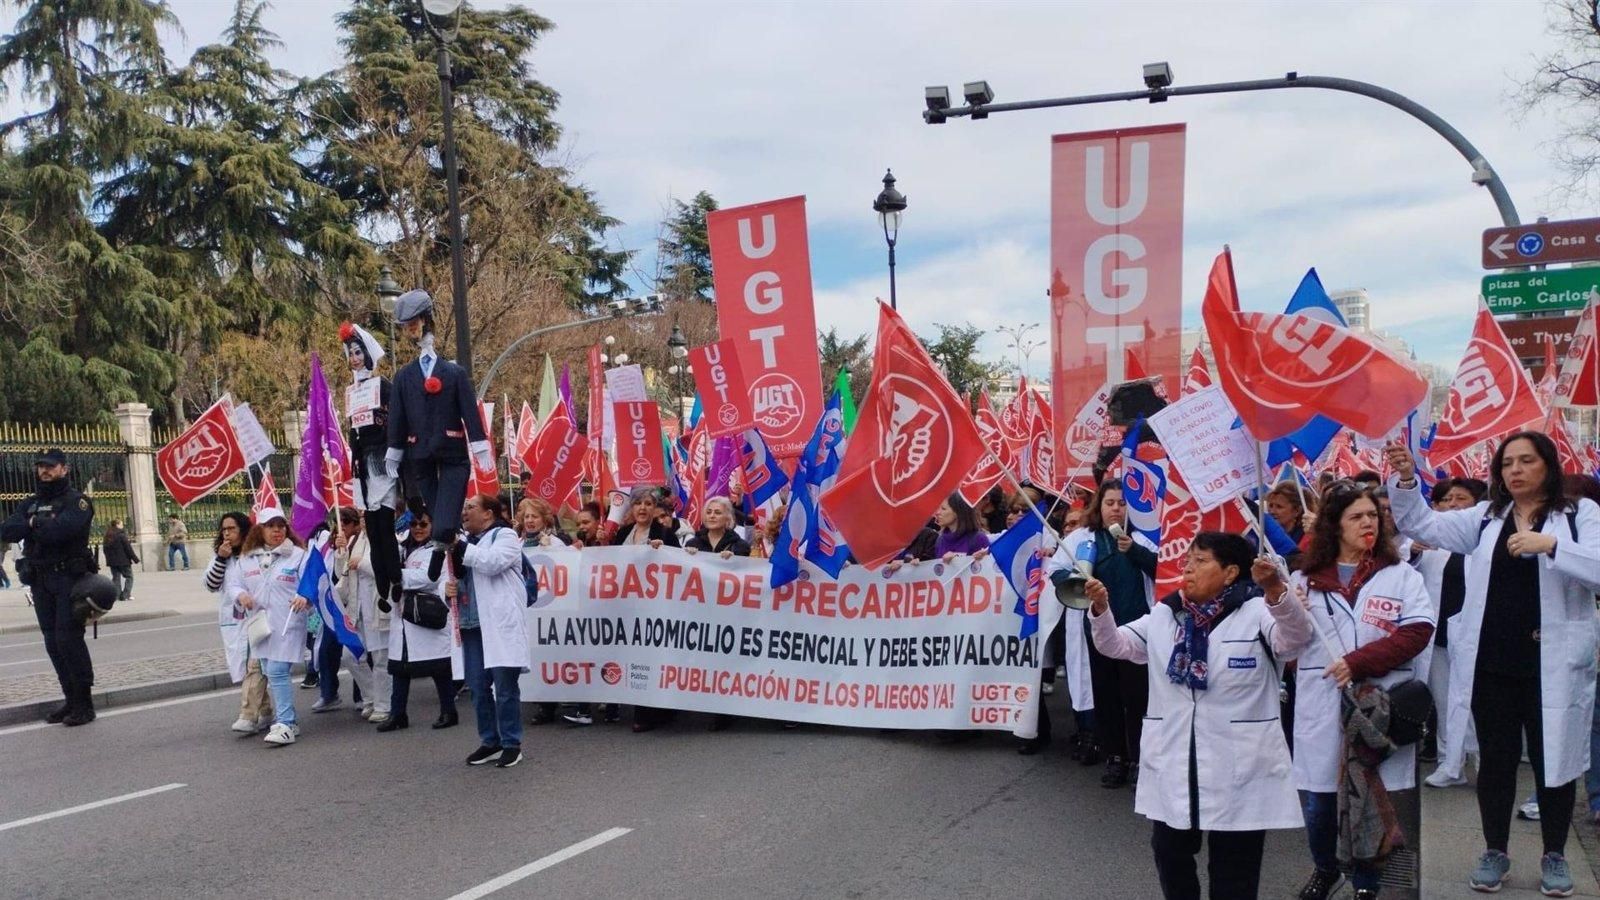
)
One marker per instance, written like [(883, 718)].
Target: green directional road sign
[(1546, 291)]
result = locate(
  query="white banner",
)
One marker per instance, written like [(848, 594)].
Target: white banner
[(253, 438), (932, 646), (1218, 461)]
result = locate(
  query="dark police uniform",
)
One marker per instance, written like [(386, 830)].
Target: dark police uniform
[(55, 524)]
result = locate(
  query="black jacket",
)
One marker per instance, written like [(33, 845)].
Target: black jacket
[(730, 541), (434, 426), (55, 524), (118, 549), (658, 532)]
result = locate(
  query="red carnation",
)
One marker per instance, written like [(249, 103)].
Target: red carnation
[(347, 331), (432, 384)]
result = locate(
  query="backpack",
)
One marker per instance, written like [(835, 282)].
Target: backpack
[(530, 579)]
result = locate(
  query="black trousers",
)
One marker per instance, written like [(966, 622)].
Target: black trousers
[(1121, 697), (442, 486), (1506, 710), (400, 693), (1233, 862), (63, 636)]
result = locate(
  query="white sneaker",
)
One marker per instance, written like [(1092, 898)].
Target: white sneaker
[(378, 718), (246, 726), (366, 712), (1442, 779), (281, 735), (1049, 687), (1529, 811), (322, 706)]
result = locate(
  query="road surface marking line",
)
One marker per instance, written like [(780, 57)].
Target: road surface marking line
[(33, 820), (539, 865), (26, 662), (124, 710), (107, 632)]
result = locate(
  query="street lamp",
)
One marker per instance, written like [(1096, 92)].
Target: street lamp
[(443, 18), (1158, 88), (388, 291), (679, 348), (1020, 343), (890, 206)]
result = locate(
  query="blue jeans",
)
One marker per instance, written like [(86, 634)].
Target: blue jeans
[(281, 688), (500, 711), (1321, 812), (1591, 778), (175, 550)]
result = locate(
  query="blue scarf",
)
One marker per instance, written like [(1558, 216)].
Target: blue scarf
[(1188, 663)]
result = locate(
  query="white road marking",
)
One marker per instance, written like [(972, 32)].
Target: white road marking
[(124, 710), (539, 865), (106, 631), (25, 662), (32, 820)]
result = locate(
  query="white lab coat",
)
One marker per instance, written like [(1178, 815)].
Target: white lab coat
[(501, 597), (230, 621), (272, 577), (1074, 622), (1568, 631), (1392, 597), (1242, 770), (357, 593), (413, 643)]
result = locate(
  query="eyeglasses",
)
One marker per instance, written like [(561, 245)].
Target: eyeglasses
[(1346, 486)]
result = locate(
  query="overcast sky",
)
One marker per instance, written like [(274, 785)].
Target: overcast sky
[(758, 100)]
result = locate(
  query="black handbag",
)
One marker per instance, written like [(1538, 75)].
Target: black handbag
[(1410, 702), (424, 610)]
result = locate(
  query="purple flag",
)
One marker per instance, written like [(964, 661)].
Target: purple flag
[(564, 391), (320, 443), (725, 458)]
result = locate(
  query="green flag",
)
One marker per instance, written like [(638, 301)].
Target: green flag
[(847, 403), (547, 391)]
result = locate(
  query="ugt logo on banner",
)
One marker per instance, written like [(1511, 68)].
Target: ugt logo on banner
[(761, 266), (719, 378), (639, 461), (205, 456)]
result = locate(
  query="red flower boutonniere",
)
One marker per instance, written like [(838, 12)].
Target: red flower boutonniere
[(432, 384)]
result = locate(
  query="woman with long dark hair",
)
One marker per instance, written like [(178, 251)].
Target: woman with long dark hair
[(960, 531), (1375, 618), (255, 710), (1125, 562), (1217, 767), (1522, 652)]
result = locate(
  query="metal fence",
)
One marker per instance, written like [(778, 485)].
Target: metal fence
[(96, 453)]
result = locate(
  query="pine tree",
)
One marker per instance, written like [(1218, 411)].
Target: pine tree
[(87, 63), (685, 251)]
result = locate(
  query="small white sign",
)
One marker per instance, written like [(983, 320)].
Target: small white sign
[(1218, 461), (253, 438)]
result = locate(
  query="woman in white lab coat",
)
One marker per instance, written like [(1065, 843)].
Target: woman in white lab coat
[(415, 651), (255, 709), (1215, 763), (1375, 621), (494, 633), (1522, 649), (267, 578), (357, 593)]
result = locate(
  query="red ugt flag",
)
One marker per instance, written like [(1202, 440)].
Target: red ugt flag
[(913, 444), (992, 466), (556, 457), (1578, 382), (1490, 397), (203, 458), (1280, 370)]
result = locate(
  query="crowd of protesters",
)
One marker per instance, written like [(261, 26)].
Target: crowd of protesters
[(1270, 691)]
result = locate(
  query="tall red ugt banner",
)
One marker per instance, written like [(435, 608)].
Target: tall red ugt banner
[(761, 262), (1116, 256)]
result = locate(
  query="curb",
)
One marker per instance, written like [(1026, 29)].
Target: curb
[(33, 711), (110, 619)]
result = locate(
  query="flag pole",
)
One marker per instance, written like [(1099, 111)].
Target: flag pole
[(1018, 485), (1261, 498)]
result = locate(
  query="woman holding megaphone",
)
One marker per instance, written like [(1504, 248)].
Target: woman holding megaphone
[(1216, 765), (1126, 564)]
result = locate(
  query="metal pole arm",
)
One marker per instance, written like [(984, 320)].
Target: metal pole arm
[(488, 378), (1482, 172)]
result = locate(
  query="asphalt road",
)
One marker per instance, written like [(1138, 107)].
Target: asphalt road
[(751, 812), (23, 653)]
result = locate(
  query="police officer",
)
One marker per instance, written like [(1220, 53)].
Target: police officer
[(55, 524)]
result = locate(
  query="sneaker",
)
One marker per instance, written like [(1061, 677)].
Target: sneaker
[(365, 712), (1490, 873), (482, 755), (1442, 779), (281, 735), (1366, 894), (513, 755), (1555, 879), (1529, 811), (1049, 687), (245, 726), (1321, 885), (322, 706), (309, 682), (1116, 773), (577, 718), (377, 718)]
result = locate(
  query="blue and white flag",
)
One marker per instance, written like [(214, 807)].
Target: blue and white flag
[(1311, 301), (764, 479), (1018, 552), (1144, 486), (807, 531), (316, 586)]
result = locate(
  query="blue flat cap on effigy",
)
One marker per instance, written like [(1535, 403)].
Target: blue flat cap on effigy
[(412, 304)]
